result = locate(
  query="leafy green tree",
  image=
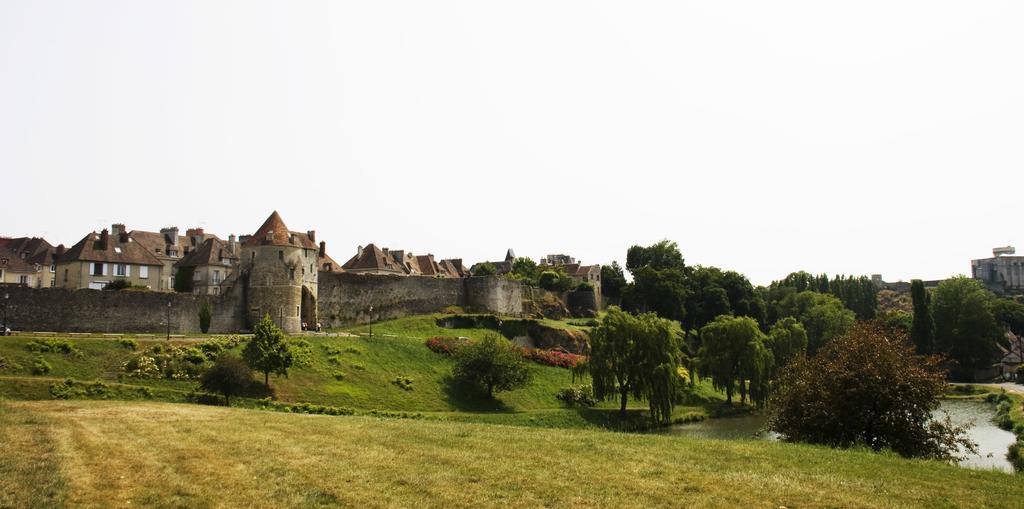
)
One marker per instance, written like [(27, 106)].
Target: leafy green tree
[(867, 388), (965, 324), (823, 316), (548, 280), (268, 351), (205, 315), (1010, 314), (485, 269), (900, 322), (229, 376), (662, 292), (857, 293), (635, 356), (613, 281), (922, 330), (183, 279), (663, 255), (788, 341), (733, 352), (491, 363), (525, 270)]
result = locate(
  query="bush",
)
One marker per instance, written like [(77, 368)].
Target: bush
[(69, 389), (868, 388), (40, 366), (205, 315), (302, 352), (585, 287), (118, 284), (8, 364), (128, 344), (553, 357), (53, 346), (577, 395), (444, 344), (1016, 455), (403, 382), (492, 364), (339, 375)]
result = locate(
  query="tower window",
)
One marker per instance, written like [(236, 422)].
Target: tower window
[(280, 255)]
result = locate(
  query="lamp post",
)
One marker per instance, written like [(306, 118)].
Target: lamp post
[(168, 320), (371, 321)]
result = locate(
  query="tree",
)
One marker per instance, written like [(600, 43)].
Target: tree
[(823, 316), (659, 281), (867, 388), (485, 269), (491, 363), (613, 281), (635, 356), (229, 376), (205, 315), (548, 280), (921, 331), (663, 255), (268, 351), (788, 342), (183, 279), (965, 325), (1010, 314), (733, 352), (526, 270)]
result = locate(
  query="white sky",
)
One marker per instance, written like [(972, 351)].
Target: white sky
[(764, 137)]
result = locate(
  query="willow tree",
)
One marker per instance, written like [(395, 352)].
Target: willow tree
[(733, 352), (635, 356)]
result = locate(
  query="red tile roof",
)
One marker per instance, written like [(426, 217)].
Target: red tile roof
[(116, 249), (212, 251)]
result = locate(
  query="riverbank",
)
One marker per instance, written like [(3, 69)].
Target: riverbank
[(1008, 403)]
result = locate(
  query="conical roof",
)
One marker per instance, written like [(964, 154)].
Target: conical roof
[(272, 233)]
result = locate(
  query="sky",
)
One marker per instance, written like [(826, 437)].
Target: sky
[(763, 137)]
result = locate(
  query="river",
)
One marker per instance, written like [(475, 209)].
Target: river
[(992, 441)]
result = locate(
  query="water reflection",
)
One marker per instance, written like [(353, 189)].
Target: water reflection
[(992, 441)]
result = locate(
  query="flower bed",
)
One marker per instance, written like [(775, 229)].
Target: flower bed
[(553, 357), (444, 344)]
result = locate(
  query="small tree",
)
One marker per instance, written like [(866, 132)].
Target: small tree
[(525, 269), (788, 341), (733, 352), (229, 376), (485, 269), (922, 328), (867, 388), (267, 351), (548, 280), (491, 363), (205, 315)]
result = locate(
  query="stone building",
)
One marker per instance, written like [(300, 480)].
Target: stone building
[(101, 258), (278, 272), (384, 261), (503, 267), (27, 261), (1002, 273), (210, 264)]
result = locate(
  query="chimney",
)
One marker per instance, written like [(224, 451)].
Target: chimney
[(60, 251), (117, 229), (232, 244), (359, 250), (323, 249), (170, 235), (123, 236), (104, 239), (312, 235)]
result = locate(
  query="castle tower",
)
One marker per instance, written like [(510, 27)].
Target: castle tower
[(279, 270)]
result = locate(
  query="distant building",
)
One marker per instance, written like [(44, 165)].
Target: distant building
[(27, 261), (374, 260), (503, 267), (101, 258), (211, 263), (1002, 273), (557, 259), (900, 286)]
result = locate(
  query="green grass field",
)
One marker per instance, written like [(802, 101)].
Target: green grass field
[(127, 454)]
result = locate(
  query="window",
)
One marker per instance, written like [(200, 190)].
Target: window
[(144, 272), (97, 269), (296, 310), (216, 277), (23, 280), (53, 268), (291, 273), (122, 270), (65, 275), (53, 282)]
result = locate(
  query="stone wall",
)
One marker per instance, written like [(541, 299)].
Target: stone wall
[(347, 298), (494, 295), (63, 310)]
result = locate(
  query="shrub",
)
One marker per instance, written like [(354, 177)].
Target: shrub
[(585, 287), (360, 367), (268, 351), (822, 400), (554, 358), (118, 284), (577, 395), (53, 346), (1016, 455), (8, 364), (445, 345), (403, 382), (128, 344), (40, 366), (302, 352), (205, 315), (338, 375), (145, 392)]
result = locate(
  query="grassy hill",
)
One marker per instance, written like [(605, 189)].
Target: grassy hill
[(344, 371), (125, 454)]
